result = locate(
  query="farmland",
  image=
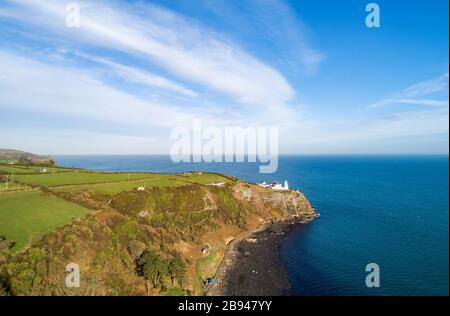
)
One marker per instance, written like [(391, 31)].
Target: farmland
[(70, 178), (117, 187), (17, 169), (31, 202), (13, 186), (24, 214), (83, 177)]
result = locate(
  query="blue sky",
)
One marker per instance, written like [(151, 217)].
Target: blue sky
[(134, 70)]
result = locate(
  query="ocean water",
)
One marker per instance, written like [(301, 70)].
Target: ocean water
[(388, 210)]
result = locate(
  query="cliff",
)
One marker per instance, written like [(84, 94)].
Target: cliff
[(282, 205), (16, 156), (161, 241)]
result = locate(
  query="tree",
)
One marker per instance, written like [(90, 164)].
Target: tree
[(152, 267), (177, 269)]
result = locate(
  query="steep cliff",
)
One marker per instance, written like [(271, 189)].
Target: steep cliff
[(280, 204), (155, 242)]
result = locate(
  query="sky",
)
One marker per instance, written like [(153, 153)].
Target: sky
[(135, 70)]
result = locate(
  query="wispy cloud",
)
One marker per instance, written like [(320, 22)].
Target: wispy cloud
[(277, 25), (134, 75), (167, 40), (34, 86), (400, 130), (414, 94), (105, 79), (427, 87)]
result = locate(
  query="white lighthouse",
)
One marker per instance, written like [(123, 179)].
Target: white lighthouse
[(286, 185)]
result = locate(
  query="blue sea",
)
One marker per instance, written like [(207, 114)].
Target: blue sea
[(388, 210)]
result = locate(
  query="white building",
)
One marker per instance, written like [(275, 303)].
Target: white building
[(264, 184), (218, 184), (274, 185)]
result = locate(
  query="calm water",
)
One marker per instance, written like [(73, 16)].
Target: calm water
[(390, 210)]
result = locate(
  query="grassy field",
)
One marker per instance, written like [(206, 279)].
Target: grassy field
[(13, 186), (23, 214), (151, 181), (81, 177), (16, 169), (118, 187), (6, 169), (70, 178)]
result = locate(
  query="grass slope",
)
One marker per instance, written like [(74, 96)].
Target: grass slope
[(23, 214)]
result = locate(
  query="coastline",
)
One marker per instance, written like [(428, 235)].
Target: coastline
[(252, 265)]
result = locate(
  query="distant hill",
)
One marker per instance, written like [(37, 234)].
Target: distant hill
[(13, 155)]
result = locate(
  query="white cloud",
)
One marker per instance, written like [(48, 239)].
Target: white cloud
[(414, 94), (195, 57), (77, 94), (427, 87), (135, 75), (170, 41), (386, 131)]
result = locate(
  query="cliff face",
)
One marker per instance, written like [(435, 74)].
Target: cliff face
[(189, 225), (281, 204), (14, 155)]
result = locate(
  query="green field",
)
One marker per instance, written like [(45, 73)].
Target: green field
[(82, 177), (23, 214), (13, 186), (118, 187), (5, 169), (69, 178), (16, 169), (156, 180), (31, 211)]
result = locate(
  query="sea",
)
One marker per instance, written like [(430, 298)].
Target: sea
[(391, 211)]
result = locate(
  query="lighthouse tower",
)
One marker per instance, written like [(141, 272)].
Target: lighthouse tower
[(286, 185)]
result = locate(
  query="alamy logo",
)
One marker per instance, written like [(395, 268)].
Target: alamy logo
[(73, 278), (373, 18), (229, 144), (72, 15), (373, 278)]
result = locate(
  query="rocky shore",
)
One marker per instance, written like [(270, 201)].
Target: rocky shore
[(252, 265)]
